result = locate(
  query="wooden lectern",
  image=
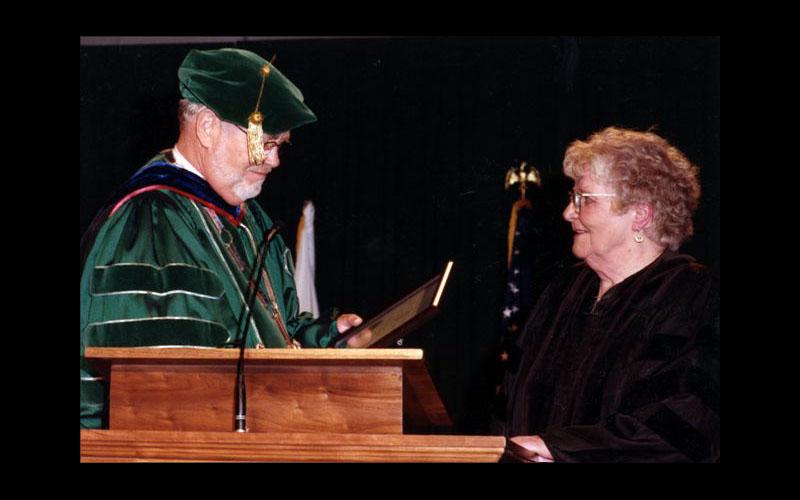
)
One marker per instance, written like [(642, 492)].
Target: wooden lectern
[(177, 404)]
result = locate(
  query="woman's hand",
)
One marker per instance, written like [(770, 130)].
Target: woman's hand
[(534, 444)]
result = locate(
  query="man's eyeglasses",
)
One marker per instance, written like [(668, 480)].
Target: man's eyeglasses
[(577, 197), (270, 145)]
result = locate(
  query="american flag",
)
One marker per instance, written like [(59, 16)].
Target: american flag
[(518, 294)]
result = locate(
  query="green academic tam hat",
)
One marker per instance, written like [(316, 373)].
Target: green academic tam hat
[(229, 82)]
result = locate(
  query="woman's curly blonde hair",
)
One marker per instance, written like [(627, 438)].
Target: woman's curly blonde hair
[(642, 167)]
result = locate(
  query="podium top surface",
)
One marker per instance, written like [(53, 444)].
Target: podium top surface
[(183, 353)]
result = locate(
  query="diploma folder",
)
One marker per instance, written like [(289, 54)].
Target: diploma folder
[(404, 315)]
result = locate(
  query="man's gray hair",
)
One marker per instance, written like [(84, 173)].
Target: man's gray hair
[(187, 111)]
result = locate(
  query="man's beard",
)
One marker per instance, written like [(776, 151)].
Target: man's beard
[(245, 190), (236, 179)]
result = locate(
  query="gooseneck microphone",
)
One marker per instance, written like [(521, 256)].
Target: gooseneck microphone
[(240, 419)]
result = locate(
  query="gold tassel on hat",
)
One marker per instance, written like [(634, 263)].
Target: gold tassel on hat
[(255, 138), (255, 133)]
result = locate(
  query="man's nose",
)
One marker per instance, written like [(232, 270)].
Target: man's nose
[(272, 158)]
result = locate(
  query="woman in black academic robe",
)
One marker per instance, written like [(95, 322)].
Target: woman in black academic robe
[(619, 360)]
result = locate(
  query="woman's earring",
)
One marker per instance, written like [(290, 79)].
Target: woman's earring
[(638, 237)]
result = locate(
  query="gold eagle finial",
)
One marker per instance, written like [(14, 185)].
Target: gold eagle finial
[(522, 176)]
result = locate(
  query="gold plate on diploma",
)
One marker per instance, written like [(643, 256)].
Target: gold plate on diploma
[(404, 315)]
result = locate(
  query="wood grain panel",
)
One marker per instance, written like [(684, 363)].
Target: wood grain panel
[(161, 446), (342, 399)]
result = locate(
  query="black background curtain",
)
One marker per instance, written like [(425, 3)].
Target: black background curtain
[(407, 161)]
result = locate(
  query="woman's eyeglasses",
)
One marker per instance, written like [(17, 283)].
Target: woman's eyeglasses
[(576, 198)]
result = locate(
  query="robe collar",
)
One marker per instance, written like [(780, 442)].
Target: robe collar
[(163, 174)]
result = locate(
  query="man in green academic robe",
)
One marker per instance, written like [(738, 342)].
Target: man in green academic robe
[(172, 260)]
